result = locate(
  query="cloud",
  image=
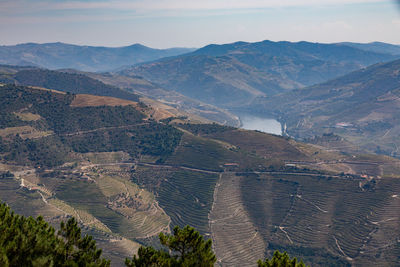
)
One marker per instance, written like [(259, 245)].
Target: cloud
[(148, 5)]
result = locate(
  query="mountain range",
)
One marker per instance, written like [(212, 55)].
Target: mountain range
[(86, 58), (378, 47), (234, 74)]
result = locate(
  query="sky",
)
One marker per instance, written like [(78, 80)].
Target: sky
[(195, 23)]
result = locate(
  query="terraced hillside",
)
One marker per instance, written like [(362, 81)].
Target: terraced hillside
[(307, 216), (127, 177), (361, 107), (307, 206), (65, 155), (236, 238)]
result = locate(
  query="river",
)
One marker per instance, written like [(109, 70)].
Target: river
[(265, 125)]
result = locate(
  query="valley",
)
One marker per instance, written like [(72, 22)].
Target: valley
[(231, 76), (361, 107), (176, 133), (130, 156)]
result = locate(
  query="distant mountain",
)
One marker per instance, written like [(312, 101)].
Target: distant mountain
[(86, 58), (377, 47), (362, 106), (234, 74)]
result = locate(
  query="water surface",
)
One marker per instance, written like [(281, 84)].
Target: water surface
[(265, 125)]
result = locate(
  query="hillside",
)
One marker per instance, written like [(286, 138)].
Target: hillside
[(106, 84), (234, 74), (377, 47), (127, 177), (87, 58), (138, 85), (61, 81), (362, 107)]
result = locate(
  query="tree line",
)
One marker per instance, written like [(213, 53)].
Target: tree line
[(34, 242)]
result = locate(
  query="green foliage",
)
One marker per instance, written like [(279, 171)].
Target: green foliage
[(187, 248), (3, 146), (14, 98), (6, 175), (81, 129), (59, 115), (80, 251), (149, 257), (150, 139), (312, 255), (204, 129), (33, 242), (69, 120), (280, 260), (47, 151), (70, 82), (9, 120)]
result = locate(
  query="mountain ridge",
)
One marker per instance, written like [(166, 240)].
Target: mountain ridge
[(376, 47), (88, 58), (219, 74)]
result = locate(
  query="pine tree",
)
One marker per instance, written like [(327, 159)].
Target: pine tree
[(280, 260), (187, 248), (80, 250), (33, 242)]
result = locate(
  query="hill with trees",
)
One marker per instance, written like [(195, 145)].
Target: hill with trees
[(127, 177), (33, 242), (61, 81), (106, 84)]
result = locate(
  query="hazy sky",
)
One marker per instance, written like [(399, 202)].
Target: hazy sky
[(194, 23)]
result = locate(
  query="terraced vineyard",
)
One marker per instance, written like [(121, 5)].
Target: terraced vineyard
[(186, 196), (127, 177), (237, 241), (212, 154), (338, 219)]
